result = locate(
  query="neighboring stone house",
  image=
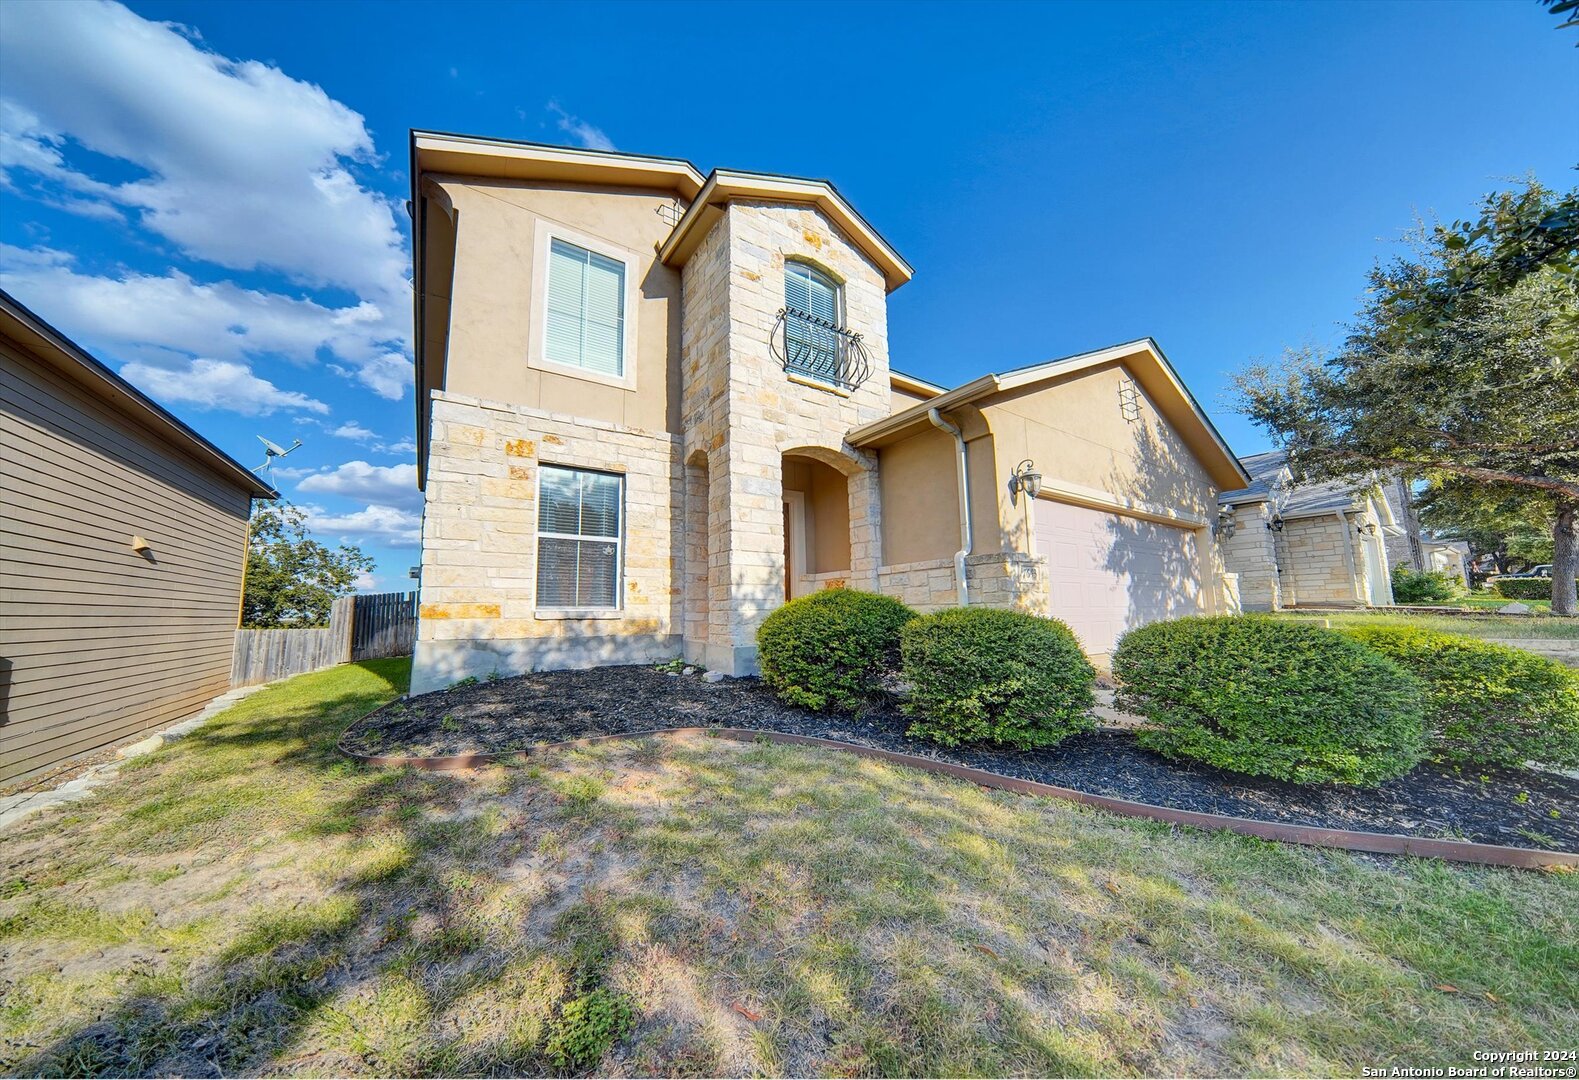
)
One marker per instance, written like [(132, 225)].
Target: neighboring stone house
[(653, 405), (1319, 544)]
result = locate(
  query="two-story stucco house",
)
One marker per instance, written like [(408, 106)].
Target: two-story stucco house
[(653, 405)]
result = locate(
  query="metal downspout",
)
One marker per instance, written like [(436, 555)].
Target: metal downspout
[(964, 504)]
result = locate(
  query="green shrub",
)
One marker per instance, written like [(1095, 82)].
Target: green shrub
[(982, 675), (1486, 704), (587, 1026), (1524, 588), (1425, 586), (831, 650), (1269, 697)]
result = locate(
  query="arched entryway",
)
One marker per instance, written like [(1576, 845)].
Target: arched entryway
[(816, 508)]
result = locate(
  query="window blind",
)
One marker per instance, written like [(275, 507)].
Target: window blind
[(578, 538), (810, 292), (813, 348), (585, 310)]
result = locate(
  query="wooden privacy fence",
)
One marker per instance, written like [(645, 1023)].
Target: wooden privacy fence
[(360, 628), (385, 624)]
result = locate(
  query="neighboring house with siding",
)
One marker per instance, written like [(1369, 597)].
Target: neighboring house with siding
[(123, 538), (653, 405), (1315, 544)]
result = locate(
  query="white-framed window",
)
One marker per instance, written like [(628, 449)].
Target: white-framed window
[(585, 310), (812, 337), (580, 531), (810, 291)]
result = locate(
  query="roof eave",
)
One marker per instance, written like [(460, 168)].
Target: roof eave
[(725, 185), (474, 155)]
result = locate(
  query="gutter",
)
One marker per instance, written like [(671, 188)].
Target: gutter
[(964, 503)]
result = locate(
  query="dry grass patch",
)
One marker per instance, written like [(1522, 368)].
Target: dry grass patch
[(247, 902)]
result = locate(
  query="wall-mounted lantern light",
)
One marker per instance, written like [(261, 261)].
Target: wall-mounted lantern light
[(1026, 479), (1368, 529), (1276, 524)]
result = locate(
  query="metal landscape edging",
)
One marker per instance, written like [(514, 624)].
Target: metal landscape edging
[(1284, 832)]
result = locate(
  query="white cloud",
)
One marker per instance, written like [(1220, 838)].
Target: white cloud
[(173, 316), (354, 431), (231, 161), (218, 384), (388, 485), (386, 525), (404, 446), (593, 138), (243, 165), (365, 582)]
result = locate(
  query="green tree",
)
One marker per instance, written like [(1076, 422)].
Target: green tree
[(291, 578), (1460, 368), (1496, 521)]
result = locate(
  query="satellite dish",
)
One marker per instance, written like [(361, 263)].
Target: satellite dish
[(272, 451)]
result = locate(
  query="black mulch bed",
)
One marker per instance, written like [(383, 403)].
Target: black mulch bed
[(516, 713)]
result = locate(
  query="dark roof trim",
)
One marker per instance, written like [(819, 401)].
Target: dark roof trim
[(93, 373)]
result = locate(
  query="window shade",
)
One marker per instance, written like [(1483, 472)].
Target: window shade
[(810, 292), (578, 538), (813, 348), (585, 310)]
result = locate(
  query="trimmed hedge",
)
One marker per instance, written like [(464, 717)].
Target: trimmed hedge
[(1425, 586), (1524, 588), (983, 675), (831, 650), (1486, 704), (1269, 697)]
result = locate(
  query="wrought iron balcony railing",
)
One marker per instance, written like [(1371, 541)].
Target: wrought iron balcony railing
[(818, 349)]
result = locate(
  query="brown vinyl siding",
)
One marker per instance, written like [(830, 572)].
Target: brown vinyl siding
[(97, 642)]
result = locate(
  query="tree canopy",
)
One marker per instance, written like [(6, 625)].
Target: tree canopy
[(292, 579), (1460, 369)]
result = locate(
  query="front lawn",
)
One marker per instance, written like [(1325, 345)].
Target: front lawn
[(1486, 626), (245, 901)]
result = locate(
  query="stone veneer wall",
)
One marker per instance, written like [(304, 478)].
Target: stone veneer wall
[(1317, 568), (743, 412), (1001, 579), (478, 611), (1250, 553)]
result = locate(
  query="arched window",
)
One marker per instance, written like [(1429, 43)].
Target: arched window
[(812, 335)]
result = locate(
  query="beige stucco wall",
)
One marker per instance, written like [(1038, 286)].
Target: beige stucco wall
[(1088, 452), (499, 228), (827, 501), (920, 498), (901, 399)]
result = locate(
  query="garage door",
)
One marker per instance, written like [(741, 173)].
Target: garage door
[(1108, 573)]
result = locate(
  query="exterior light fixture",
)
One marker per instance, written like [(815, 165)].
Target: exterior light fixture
[(1368, 529), (1026, 479), (1276, 524)]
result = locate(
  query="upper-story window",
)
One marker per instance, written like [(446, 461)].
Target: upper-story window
[(815, 342), (585, 310)]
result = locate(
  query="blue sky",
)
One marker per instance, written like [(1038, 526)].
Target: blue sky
[(210, 196)]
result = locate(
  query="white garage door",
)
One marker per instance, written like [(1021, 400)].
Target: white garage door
[(1108, 573)]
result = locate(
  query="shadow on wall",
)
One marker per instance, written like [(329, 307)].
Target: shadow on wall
[(439, 664), (1161, 564)]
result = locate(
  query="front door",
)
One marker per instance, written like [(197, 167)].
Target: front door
[(790, 569)]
